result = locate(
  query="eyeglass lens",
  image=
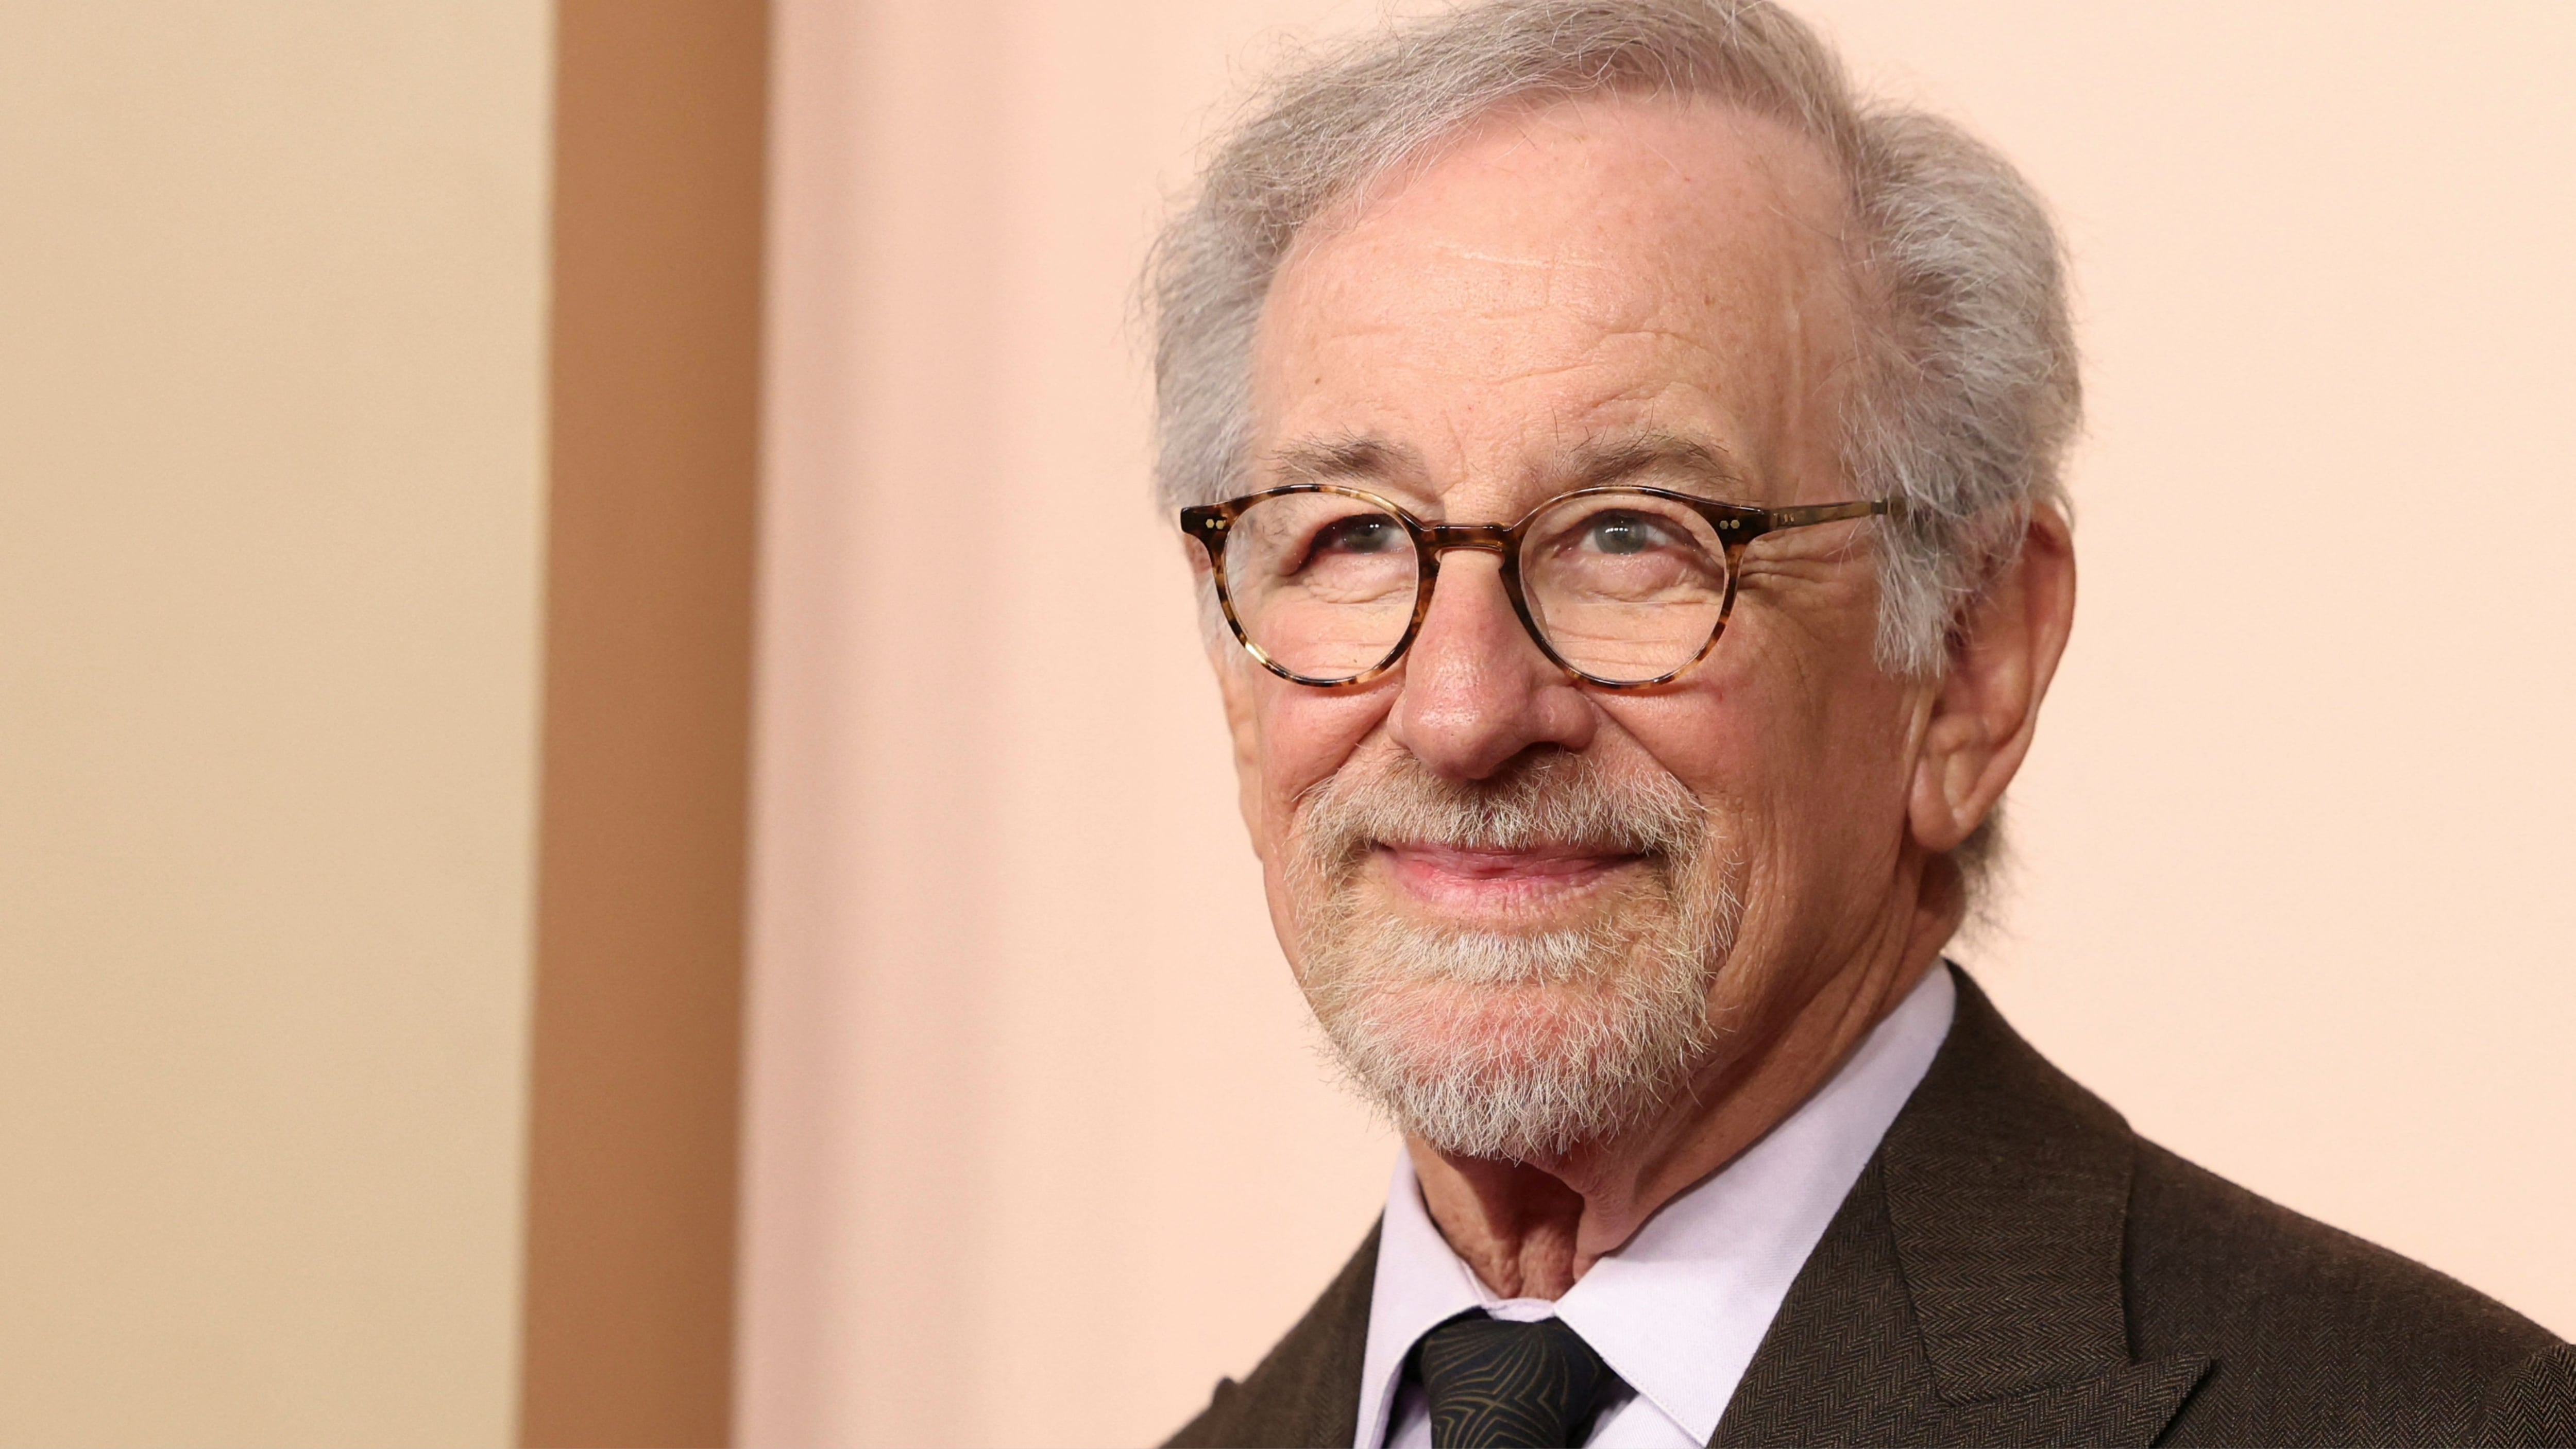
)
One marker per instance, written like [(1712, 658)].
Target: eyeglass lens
[(1625, 587)]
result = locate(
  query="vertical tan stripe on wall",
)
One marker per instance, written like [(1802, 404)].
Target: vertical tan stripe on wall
[(659, 126)]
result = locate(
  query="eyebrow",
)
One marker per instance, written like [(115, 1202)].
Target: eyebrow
[(1595, 464), (1340, 460), (1619, 459)]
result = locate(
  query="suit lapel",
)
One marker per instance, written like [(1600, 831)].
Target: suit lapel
[(1968, 1291)]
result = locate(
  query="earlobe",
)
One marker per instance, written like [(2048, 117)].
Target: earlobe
[(1957, 753)]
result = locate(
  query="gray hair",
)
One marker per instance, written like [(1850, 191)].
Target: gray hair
[(1968, 389), (1969, 392)]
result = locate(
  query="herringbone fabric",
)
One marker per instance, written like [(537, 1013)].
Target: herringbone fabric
[(2016, 1267), (1848, 1362), (1499, 1385)]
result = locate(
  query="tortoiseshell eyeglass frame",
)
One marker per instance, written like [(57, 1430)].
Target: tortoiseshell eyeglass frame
[(1737, 526)]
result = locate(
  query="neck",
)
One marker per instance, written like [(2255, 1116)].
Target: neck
[(1531, 1229)]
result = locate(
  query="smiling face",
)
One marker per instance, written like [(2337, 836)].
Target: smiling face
[(1531, 911)]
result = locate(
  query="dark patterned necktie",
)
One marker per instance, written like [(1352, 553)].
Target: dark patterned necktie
[(1498, 1385)]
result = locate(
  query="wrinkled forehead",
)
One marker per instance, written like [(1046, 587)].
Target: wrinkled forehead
[(1561, 273)]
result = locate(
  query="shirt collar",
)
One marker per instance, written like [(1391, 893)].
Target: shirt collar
[(1679, 1309)]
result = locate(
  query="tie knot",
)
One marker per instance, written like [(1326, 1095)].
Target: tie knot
[(1498, 1385)]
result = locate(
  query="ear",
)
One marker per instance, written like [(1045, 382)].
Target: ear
[(1987, 708)]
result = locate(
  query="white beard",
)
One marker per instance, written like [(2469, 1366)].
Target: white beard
[(1502, 1045)]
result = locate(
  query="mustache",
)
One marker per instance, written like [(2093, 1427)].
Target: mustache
[(1554, 798)]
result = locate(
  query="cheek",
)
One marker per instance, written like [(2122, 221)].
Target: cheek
[(1732, 724), (1834, 799), (1798, 767), (1302, 736)]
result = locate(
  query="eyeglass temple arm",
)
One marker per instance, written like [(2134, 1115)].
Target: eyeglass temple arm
[(1778, 518)]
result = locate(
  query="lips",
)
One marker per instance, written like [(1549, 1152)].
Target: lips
[(1483, 881)]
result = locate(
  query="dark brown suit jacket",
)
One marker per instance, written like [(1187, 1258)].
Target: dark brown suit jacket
[(2015, 1266)]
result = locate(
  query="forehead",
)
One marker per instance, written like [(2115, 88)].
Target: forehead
[(1561, 273)]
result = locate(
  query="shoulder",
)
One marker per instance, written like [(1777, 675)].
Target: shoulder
[(2318, 1336), (2032, 1224), (1306, 1390)]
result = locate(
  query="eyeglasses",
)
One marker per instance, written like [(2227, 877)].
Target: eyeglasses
[(1623, 587)]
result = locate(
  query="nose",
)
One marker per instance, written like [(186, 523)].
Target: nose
[(1476, 691)]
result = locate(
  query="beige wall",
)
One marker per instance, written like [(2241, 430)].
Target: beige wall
[(270, 513), (1036, 1144)]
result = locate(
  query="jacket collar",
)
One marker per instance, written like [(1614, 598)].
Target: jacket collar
[(1968, 1291), (1970, 1288)]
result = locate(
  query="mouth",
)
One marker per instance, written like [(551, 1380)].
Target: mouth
[(1486, 882)]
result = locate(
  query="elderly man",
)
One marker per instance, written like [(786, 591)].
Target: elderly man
[(1624, 471)]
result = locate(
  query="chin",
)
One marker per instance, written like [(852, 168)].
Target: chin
[(1509, 1047), (1481, 1028)]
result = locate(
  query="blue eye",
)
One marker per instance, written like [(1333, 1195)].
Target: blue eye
[(1622, 532), (1361, 533)]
